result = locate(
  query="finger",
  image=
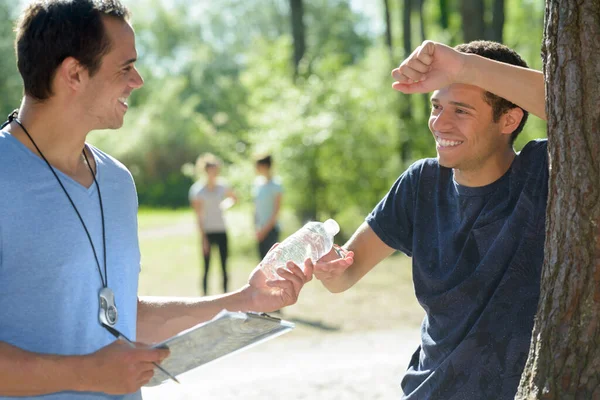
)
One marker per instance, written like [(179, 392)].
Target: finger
[(145, 377), (409, 88), (293, 273), (399, 77), (412, 74), (296, 279), (153, 355), (308, 270), (418, 65), (425, 52), (342, 252)]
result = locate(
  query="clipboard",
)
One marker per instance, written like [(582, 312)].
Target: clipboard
[(227, 333)]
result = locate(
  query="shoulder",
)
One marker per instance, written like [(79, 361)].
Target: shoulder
[(535, 145), (197, 188), (426, 168), (276, 184), (5, 141), (534, 151)]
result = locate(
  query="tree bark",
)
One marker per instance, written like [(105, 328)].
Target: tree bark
[(425, 96), (405, 149), (298, 32), (407, 27), (497, 26), (564, 359), (388, 28), (473, 23)]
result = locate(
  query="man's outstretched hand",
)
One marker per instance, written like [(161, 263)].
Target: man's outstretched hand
[(333, 264), (270, 295)]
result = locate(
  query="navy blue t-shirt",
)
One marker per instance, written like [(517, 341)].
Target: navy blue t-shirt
[(477, 254)]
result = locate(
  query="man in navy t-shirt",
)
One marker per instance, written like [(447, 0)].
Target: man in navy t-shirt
[(472, 219)]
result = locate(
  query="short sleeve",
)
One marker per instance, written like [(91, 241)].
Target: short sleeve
[(392, 219), (194, 191)]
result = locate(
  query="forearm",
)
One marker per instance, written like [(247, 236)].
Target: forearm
[(521, 86), (31, 374), (159, 318)]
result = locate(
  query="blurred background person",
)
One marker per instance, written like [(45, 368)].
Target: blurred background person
[(209, 197), (267, 193)]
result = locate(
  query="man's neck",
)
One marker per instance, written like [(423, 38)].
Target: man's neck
[(55, 133), (492, 170)]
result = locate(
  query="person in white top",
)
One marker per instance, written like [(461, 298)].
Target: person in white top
[(209, 197)]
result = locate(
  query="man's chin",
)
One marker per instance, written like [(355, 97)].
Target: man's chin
[(115, 125), (444, 162)]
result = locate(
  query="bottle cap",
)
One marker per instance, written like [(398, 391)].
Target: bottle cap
[(331, 227)]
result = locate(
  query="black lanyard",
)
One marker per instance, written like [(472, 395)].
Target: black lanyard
[(13, 117)]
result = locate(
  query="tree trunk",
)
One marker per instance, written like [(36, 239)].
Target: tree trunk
[(406, 108), (444, 14), (425, 96), (298, 32), (497, 27), (406, 27), (473, 23), (388, 28), (564, 359)]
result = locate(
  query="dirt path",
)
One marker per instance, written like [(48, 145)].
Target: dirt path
[(329, 367)]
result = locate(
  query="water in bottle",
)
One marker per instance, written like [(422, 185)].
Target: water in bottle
[(313, 240)]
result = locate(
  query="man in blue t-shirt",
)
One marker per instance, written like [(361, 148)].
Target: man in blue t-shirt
[(472, 220), (267, 193), (69, 252)]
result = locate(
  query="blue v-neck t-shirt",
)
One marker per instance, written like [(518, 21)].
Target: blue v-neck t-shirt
[(49, 280)]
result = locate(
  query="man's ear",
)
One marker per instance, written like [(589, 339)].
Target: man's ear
[(510, 120), (71, 75)]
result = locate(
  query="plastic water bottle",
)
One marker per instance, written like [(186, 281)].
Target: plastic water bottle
[(313, 240)]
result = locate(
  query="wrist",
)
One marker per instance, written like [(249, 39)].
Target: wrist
[(73, 371), (467, 72), (244, 298), (81, 376)]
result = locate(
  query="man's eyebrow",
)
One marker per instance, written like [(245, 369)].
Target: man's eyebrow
[(465, 105), (455, 103), (130, 61)]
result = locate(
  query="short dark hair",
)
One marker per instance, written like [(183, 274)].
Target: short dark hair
[(502, 53), (264, 159), (49, 31)]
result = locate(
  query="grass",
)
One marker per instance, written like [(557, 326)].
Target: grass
[(383, 299)]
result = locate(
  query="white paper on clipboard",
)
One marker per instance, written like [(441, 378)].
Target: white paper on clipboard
[(228, 332)]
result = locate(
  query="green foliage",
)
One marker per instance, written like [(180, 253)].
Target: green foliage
[(335, 137), (219, 78), (10, 80)]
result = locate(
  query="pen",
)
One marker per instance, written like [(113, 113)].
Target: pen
[(120, 336)]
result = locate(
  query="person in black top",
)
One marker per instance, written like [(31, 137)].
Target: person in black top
[(472, 219)]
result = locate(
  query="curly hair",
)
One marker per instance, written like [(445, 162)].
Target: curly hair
[(498, 52)]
